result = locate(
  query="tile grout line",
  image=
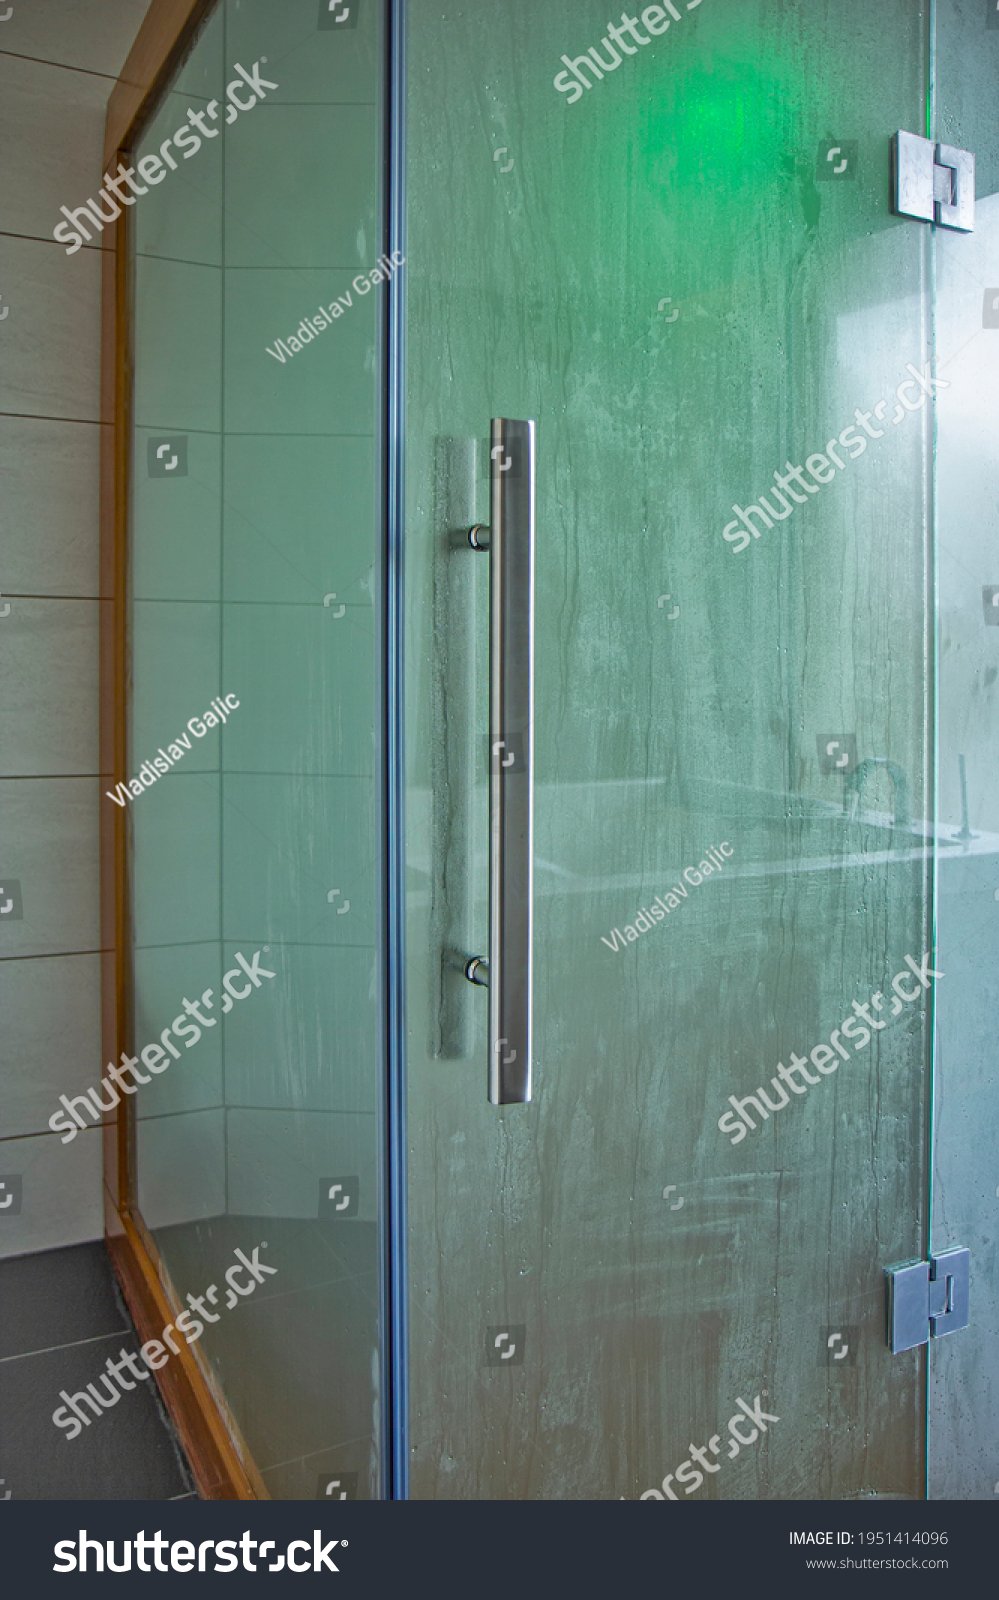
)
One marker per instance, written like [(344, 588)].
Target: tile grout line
[(72, 1345)]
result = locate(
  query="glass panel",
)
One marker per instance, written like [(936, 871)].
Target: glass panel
[(683, 265), (964, 1458), (256, 504)]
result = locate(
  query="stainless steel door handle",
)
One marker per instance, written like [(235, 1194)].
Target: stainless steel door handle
[(510, 542), (511, 747)]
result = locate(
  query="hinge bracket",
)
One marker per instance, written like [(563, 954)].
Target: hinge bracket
[(934, 182), (927, 1299)]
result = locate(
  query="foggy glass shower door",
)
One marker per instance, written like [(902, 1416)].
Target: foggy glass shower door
[(255, 687), (677, 255)]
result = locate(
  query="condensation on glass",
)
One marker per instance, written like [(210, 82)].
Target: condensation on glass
[(688, 274), (254, 575)]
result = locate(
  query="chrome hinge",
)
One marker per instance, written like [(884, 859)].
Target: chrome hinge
[(934, 182), (927, 1299)]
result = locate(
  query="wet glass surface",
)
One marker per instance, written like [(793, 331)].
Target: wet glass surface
[(254, 542)]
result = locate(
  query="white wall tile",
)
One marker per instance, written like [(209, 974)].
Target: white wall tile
[(175, 525), (164, 976), (51, 335), (178, 379), (176, 882), (48, 688), (94, 35), (48, 842), (51, 126), (181, 1165), (52, 133), (277, 1159), (181, 217), (62, 1200), (324, 1000), (50, 1042), (49, 508)]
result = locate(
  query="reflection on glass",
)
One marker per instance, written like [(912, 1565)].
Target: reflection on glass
[(253, 560)]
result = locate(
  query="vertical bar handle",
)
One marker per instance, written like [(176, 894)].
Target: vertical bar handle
[(511, 758)]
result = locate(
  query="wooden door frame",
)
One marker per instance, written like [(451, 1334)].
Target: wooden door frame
[(222, 1465)]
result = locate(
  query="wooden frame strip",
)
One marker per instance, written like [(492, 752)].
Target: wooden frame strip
[(159, 44), (222, 1464)]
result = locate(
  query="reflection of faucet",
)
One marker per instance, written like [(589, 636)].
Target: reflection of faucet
[(965, 834), (899, 782)]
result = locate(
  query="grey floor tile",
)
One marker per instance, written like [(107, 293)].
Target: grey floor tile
[(126, 1454), (294, 1359), (65, 1307), (298, 1377), (56, 1298), (348, 1472)]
